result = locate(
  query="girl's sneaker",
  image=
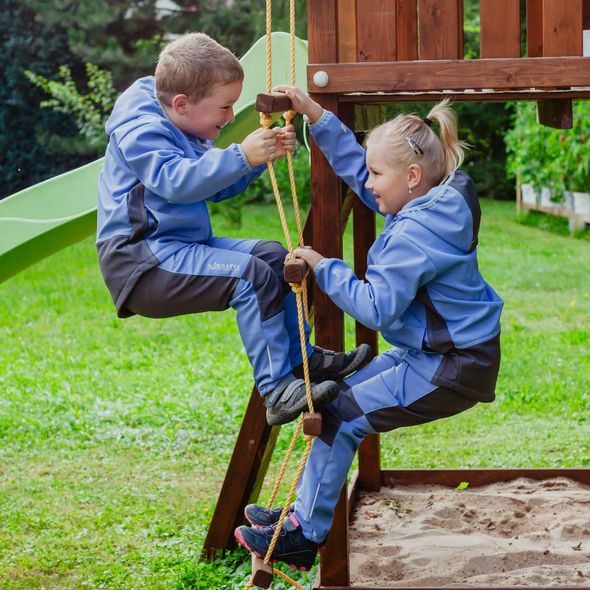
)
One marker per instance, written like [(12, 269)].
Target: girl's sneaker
[(261, 516), (292, 547)]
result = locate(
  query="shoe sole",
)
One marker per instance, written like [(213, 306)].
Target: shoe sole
[(323, 398), (242, 542)]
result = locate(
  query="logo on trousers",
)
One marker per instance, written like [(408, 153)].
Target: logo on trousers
[(224, 266)]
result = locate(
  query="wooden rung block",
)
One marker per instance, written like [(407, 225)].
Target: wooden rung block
[(295, 271), (261, 572), (312, 424), (273, 102)]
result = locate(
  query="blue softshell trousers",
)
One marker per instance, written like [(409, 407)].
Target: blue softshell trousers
[(158, 254), (423, 291)]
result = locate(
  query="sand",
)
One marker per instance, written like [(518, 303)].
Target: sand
[(518, 533)]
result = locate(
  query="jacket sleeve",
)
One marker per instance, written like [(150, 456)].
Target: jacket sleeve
[(390, 284), (344, 153), (167, 171)]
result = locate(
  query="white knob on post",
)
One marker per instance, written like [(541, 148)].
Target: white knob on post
[(321, 79)]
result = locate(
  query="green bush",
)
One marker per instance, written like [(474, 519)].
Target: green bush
[(543, 156), (89, 110)]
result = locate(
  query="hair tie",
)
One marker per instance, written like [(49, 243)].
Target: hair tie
[(427, 121)]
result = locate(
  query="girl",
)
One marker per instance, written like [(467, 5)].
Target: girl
[(422, 290)]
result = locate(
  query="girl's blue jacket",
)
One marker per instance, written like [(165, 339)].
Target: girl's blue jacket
[(422, 290)]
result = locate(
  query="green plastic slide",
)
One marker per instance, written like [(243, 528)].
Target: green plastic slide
[(56, 213)]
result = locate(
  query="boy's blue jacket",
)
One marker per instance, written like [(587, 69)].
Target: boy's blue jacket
[(422, 289), (178, 173)]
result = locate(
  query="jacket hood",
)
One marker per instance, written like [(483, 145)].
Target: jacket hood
[(137, 105), (450, 210)]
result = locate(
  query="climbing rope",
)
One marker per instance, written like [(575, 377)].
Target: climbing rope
[(300, 289)]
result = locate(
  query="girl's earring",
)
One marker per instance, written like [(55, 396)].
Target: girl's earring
[(410, 189)]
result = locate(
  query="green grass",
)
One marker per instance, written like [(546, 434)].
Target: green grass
[(115, 435)]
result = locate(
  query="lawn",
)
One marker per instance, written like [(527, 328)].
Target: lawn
[(115, 435)]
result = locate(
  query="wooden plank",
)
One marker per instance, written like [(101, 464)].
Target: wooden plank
[(440, 29), (500, 29), (364, 235), (586, 15), (407, 30), (334, 560), (321, 31), (376, 30), (243, 473), (534, 28), (347, 44), (500, 74), (562, 28), (477, 477)]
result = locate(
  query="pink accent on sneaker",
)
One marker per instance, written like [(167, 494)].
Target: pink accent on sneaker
[(293, 519), (239, 537)]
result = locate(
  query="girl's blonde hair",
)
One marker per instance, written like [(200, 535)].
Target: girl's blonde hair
[(410, 139), (193, 65)]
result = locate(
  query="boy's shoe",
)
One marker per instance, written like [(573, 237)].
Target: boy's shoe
[(327, 364), (292, 547), (287, 400), (261, 516)]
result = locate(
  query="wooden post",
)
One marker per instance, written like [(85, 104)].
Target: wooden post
[(325, 210), (562, 36), (245, 471)]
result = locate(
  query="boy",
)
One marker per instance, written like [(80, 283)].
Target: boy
[(157, 251)]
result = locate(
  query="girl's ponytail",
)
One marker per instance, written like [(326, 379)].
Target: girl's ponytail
[(453, 147)]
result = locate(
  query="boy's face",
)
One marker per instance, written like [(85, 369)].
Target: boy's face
[(389, 185), (207, 117)]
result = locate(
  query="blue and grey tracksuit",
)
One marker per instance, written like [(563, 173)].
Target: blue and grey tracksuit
[(424, 293), (157, 250)]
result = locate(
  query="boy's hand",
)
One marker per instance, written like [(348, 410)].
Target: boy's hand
[(310, 256), (261, 146), (285, 139), (301, 102)]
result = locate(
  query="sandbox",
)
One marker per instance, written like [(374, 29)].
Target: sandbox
[(523, 532)]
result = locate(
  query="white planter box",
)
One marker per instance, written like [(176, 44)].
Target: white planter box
[(546, 197), (529, 195), (582, 203), (568, 202)]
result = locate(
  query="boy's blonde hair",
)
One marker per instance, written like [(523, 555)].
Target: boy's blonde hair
[(410, 139), (193, 65)]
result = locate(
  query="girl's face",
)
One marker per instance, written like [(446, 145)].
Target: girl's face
[(389, 185)]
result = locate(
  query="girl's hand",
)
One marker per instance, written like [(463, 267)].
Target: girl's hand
[(310, 256), (285, 139), (301, 102)]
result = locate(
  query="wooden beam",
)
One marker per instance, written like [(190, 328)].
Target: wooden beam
[(500, 29), (499, 74)]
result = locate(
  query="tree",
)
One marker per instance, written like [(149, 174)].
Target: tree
[(30, 148)]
